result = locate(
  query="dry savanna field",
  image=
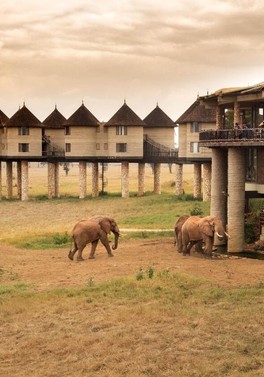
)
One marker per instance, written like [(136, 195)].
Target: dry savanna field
[(148, 311)]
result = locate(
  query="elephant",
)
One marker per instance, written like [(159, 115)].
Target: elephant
[(178, 234), (203, 229), (92, 230)]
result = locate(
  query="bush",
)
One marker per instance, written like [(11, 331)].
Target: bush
[(196, 211)]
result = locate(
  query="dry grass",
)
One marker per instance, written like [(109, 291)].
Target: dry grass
[(170, 325)]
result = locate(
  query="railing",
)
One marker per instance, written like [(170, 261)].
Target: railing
[(51, 149), (158, 152), (233, 135)]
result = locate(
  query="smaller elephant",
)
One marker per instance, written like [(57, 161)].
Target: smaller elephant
[(177, 231), (203, 229), (93, 230)]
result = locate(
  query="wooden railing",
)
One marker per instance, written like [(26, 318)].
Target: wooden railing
[(158, 152), (234, 135), (51, 149)]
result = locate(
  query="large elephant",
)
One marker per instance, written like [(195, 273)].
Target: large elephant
[(93, 230), (203, 229)]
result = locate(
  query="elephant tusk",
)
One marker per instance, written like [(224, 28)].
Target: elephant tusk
[(219, 235), (227, 235)]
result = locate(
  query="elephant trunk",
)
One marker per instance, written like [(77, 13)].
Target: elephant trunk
[(116, 241)]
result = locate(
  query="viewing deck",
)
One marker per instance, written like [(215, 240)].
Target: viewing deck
[(250, 137)]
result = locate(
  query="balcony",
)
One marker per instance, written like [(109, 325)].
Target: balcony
[(156, 152), (249, 137)]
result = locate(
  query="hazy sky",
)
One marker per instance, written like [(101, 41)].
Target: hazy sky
[(64, 52)]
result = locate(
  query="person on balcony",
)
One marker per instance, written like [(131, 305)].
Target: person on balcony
[(237, 131)]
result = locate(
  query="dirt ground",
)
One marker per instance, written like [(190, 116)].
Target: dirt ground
[(49, 269)]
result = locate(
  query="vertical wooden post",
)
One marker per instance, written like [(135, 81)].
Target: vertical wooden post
[(19, 179)]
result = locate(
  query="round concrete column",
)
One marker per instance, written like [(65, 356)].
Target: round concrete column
[(57, 179), (82, 179), (51, 180), (236, 199), (141, 179), (207, 181), (9, 180), (178, 179), (157, 182), (19, 179), (218, 118), (197, 180), (95, 177), (125, 179), (24, 180), (219, 184)]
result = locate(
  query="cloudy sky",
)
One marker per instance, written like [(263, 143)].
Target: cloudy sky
[(101, 52)]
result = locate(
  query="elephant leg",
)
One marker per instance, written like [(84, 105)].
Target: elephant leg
[(105, 242), (93, 248), (79, 255), (72, 252), (189, 246)]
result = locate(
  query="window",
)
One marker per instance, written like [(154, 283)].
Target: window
[(68, 147), (121, 130), (67, 130), (98, 146), (23, 147), (121, 147), (105, 146), (194, 147), (23, 131), (195, 127)]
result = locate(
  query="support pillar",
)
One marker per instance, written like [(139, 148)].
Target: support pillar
[(24, 180), (125, 179), (57, 180), (197, 180), (51, 180), (219, 118), (157, 183), (178, 179), (19, 179), (82, 179), (236, 199), (207, 175), (95, 177), (237, 113), (141, 179), (219, 184), (9, 179)]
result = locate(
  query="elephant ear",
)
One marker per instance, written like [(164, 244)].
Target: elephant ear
[(105, 224), (207, 227)]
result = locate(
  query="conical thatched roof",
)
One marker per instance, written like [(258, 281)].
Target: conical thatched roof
[(3, 118), (197, 113), (125, 117), (157, 118), (82, 117), (24, 118), (55, 120)]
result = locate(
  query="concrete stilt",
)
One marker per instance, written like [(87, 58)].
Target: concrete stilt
[(82, 179), (207, 175), (197, 180), (157, 182), (125, 179), (9, 179), (19, 179), (141, 179), (95, 177), (178, 179), (24, 180), (51, 180), (236, 199)]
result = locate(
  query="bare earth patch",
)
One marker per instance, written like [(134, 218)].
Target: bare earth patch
[(49, 269)]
